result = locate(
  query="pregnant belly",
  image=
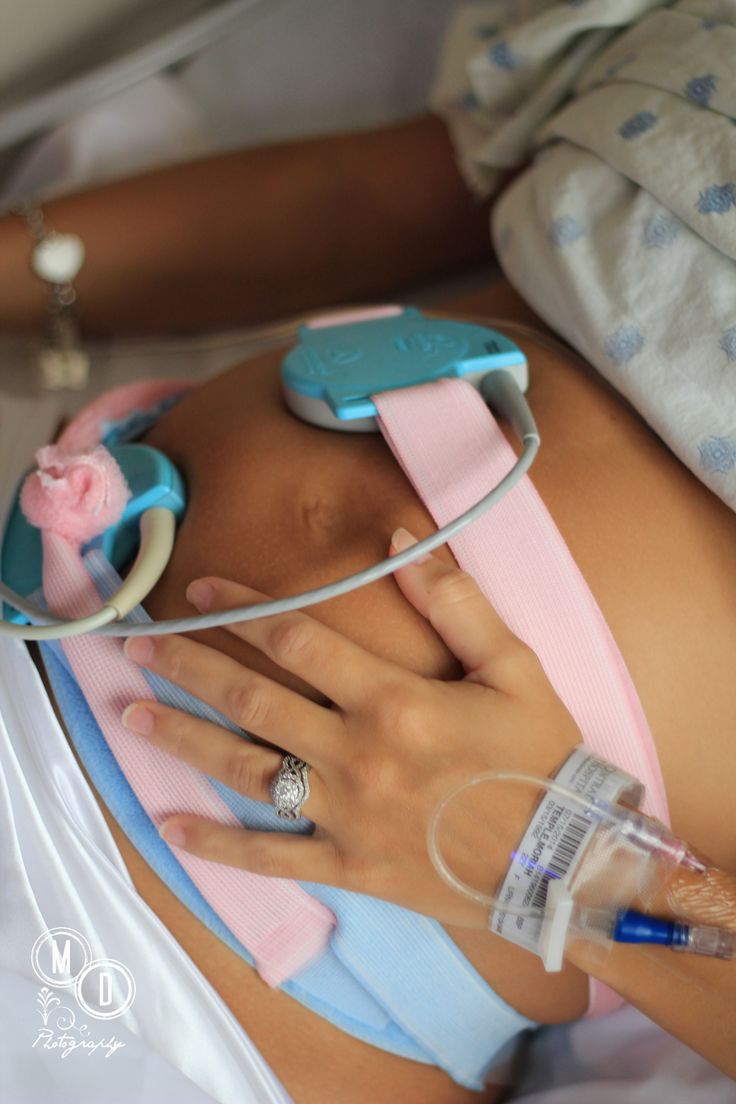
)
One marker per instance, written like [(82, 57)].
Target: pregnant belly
[(283, 506)]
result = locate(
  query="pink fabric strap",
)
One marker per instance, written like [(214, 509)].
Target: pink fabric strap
[(448, 443), (279, 923), (87, 428)]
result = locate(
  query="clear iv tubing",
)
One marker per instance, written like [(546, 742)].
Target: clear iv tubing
[(634, 825), (47, 629)]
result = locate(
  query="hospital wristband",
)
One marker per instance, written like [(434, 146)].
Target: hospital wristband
[(555, 842)]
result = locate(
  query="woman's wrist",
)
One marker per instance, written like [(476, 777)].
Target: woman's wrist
[(689, 995), (21, 293)]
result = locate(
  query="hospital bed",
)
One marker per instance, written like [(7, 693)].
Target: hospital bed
[(37, 94)]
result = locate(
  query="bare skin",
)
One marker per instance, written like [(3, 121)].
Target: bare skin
[(273, 504), (227, 240)]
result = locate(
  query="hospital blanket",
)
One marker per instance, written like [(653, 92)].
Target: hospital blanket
[(621, 233)]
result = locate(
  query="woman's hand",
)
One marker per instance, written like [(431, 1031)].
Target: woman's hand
[(390, 747)]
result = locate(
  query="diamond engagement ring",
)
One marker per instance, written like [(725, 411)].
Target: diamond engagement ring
[(290, 787)]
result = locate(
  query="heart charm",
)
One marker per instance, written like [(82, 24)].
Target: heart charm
[(58, 258)]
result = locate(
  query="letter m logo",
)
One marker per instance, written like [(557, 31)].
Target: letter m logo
[(60, 963)]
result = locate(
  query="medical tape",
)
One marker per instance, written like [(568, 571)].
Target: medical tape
[(555, 842)]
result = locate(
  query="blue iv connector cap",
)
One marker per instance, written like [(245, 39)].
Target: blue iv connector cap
[(701, 939), (634, 927)]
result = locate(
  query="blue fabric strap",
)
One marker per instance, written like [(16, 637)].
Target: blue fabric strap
[(390, 977)]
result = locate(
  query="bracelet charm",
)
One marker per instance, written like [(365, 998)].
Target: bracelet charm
[(57, 260), (58, 257)]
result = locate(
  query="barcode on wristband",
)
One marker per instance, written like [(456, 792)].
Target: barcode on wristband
[(562, 857), (553, 845)]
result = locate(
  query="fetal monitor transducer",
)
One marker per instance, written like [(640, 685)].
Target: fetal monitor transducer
[(328, 379)]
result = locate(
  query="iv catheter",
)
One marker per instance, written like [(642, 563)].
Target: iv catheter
[(647, 840)]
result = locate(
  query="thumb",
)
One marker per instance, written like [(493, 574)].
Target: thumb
[(453, 603)]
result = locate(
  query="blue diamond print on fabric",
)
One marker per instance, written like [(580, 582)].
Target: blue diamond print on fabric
[(717, 200), (624, 343), (638, 124), (700, 89), (728, 342), (503, 56), (565, 230), (717, 454), (660, 231)]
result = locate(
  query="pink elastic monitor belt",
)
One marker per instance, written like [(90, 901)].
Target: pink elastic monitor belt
[(451, 448), (279, 922)]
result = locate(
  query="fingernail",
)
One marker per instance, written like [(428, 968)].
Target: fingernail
[(138, 719), (200, 594), (173, 834), (403, 539), (139, 648)]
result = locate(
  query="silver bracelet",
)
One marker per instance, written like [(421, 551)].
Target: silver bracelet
[(57, 259)]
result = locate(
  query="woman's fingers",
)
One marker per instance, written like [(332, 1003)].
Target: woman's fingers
[(275, 855), (470, 627), (245, 767), (253, 702), (347, 674)]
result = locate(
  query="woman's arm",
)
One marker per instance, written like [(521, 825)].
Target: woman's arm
[(392, 746), (694, 998), (258, 234)]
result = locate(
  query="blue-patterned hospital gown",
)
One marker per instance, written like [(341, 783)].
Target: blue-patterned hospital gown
[(622, 232)]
